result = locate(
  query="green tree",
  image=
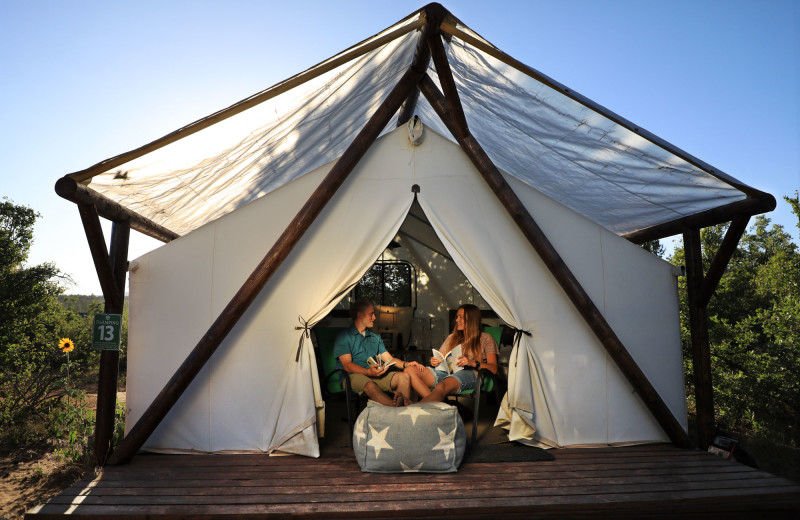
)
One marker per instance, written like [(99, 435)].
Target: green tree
[(754, 331), (32, 369), (655, 247)]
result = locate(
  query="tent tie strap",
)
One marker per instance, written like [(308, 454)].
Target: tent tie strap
[(518, 333), (304, 326)]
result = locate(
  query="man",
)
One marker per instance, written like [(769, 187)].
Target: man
[(352, 348)]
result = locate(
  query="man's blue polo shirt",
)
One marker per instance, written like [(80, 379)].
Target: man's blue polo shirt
[(350, 341)]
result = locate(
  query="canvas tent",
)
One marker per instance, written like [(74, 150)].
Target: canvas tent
[(254, 394), (289, 151)]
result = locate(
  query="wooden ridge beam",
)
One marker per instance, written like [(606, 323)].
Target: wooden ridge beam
[(241, 301), (557, 267), (747, 207), (73, 191), (352, 53), (97, 246), (721, 259), (434, 14), (109, 359)]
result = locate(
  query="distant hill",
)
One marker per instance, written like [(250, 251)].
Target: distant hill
[(79, 302)]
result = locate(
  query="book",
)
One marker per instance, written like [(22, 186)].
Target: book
[(448, 361), (381, 364)]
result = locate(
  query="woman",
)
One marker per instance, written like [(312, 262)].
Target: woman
[(479, 350)]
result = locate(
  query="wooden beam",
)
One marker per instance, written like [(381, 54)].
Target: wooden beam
[(434, 14), (109, 360), (701, 353), (73, 191), (97, 246), (451, 96), (352, 53), (747, 207), (558, 268), (721, 259), (263, 272), (451, 29)]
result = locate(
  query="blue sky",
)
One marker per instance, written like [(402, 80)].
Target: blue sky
[(83, 81)]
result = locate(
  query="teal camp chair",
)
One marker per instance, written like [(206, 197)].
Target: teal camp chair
[(333, 377), (486, 383)]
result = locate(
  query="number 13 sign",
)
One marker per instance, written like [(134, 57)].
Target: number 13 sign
[(106, 332)]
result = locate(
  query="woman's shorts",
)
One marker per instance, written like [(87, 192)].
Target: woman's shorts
[(466, 378)]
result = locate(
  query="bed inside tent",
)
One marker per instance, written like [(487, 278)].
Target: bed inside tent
[(260, 391)]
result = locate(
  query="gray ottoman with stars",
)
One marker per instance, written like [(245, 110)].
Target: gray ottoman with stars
[(427, 438)]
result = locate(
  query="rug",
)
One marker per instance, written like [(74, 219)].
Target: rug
[(506, 452)]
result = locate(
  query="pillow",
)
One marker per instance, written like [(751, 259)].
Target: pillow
[(420, 438)]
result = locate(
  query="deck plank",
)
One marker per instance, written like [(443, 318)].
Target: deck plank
[(613, 481)]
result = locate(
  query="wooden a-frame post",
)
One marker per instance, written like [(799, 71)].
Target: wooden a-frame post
[(263, 272), (448, 108)]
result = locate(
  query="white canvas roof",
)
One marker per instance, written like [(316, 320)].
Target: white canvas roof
[(575, 153)]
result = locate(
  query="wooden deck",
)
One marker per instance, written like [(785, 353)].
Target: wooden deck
[(616, 482)]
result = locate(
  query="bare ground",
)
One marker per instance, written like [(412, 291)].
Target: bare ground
[(32, 475)]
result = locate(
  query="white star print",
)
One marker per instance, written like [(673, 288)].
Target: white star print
[(359, 432), (445, 442), (414, 412), (441, 406), (378, 440), (409, 469)]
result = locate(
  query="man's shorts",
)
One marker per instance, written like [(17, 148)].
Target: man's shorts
[(466, 378), (359, 381)]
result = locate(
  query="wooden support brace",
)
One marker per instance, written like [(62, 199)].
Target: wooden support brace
[(557, 267), (711, 217), (701, 352), (721, 259), (263, 272), (109, 360), (97, 246), (73, 191)]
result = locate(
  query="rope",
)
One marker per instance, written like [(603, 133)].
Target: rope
[(305, 328)]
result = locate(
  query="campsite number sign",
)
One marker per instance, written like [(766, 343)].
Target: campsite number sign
[(106, 332)]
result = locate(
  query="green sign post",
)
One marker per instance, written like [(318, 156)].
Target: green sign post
[(107, 331)]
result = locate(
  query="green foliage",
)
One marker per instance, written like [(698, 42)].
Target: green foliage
[(754, 332), (655, 247), (72, 424), (30, 322), (119, 424), (80, 303)]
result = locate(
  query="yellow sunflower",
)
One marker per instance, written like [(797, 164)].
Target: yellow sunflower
[(66, 345)]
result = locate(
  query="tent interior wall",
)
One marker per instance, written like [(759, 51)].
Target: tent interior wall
[(559, 153)]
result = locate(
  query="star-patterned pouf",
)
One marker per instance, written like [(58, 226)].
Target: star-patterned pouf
[(427, 438)]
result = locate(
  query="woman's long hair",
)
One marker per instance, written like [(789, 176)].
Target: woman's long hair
[(470, 337)]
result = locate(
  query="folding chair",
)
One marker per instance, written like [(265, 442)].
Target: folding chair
[(486, 383), (333, 377)]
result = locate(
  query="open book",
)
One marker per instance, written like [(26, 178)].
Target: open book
[(371, 361), (448, 361)]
